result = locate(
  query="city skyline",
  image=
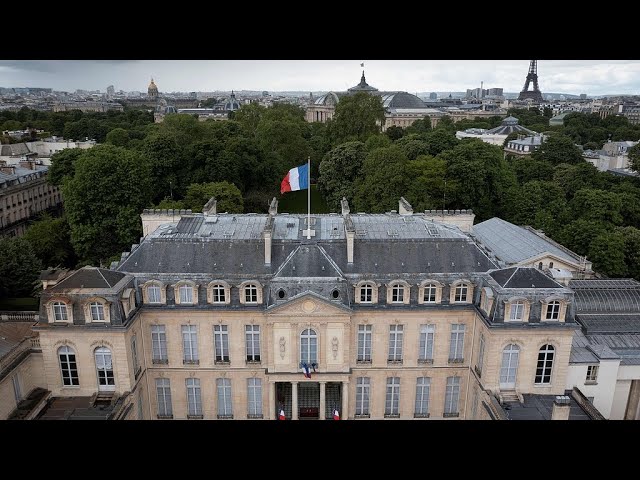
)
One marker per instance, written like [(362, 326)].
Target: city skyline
[(591, 77)]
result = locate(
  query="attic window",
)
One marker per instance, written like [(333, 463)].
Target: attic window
[(335, 294), (281, 294), (392, 232), (290, 224)]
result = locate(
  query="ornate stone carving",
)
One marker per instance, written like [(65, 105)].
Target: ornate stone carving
[(283, 347), (334, 347), (309, 306)]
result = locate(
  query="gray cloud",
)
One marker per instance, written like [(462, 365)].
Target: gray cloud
[(595, 77)]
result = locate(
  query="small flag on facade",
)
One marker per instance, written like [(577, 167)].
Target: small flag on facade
[(336, 414), (305, 370), (281, 415), (296, 179)]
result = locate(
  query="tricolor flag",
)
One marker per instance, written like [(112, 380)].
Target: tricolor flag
[(281, 415), (296, 179), (305, 370), (336, 415)]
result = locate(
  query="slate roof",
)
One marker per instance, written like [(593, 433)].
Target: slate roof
[(89, 277), (514, 244), (510, 125), (11, 334), (539, 407), (523, 277)]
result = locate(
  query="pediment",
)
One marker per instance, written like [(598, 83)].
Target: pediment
[(309, 304)]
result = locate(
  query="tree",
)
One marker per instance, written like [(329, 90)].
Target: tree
[(413, 145), (528, 169), (631, 237), (50, 239), (607, 252), (63, 165), (576, 177), (420, 126), (376, 141), (118, 137), (446, 123), (440, 140), (356, 118), (169, 203), (338, 171), (534, 197), (164, 155), (634, 157), (426, 182), (557, 149), (249, 116), (394, 133), (19, 268), (104, 199), (382, 181), (579, 234), (228, 196), (597, 205)]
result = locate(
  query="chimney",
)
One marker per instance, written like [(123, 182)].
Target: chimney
[(29, 164), (210, 207), (345, 206), (8, 169), (350, 232), (404, 207), (273, 207), (561, 408), (267, 234)]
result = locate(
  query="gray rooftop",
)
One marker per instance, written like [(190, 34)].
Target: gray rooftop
[(539, 407), (12, 333), (89, 277), (523, 277), (514, 244), (535, 140)]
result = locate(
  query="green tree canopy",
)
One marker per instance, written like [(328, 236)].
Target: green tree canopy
[(634, 157), (338, 171), (420, 126), (51, 242), (356, 118), (413, 145), (228, 197), (426, 182), (19, 268), (63, 165), (557, 149), (118, 137), (597, 205), (607, 252), (383, 180)]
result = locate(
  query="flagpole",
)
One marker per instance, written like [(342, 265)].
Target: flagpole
[(309, 197)]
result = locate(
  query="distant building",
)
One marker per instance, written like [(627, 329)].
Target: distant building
[(612, 157), (152, 90), (497, 135), (433, 96), (111, 91), (87, 106), (523, 146), (558, 120)]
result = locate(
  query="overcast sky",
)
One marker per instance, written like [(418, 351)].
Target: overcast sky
[(593, 77)]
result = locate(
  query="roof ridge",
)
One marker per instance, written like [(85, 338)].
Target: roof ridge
[(509, 279), (286, 260), (103, 277)]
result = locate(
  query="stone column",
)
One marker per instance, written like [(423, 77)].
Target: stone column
[(294, 400), (322, 400), (272, 401), (344, 414)]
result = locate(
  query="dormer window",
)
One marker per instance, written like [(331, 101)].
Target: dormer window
[(153, 293), (461, 293), (397, 294), (218, 294), (251, 293), (97, 311), (186, 294), (429, 295), (517, 311), (429, 291), (60, 312), (366, 293), (553, 310)]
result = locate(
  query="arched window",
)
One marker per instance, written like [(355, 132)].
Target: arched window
[(153, 294), (104, 367), (308, 346), (553, 310), (366, 293), (517, 311), (218, 293), (251, 293), (60, 312), (68, 366), (97, 311), (186, 294), (540, 266), (509, 369), (545, 365), (550, 264), (461, 292), (430, 293)]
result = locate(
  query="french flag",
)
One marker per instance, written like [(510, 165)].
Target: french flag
[(336, 414), (306, 371), (281, 415), (296, 179)]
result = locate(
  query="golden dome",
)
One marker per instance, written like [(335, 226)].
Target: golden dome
[(152, 85)]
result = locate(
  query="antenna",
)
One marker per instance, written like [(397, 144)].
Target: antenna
[(444, 198)]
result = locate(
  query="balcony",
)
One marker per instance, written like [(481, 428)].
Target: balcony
[(456, 360), (420, 415), (425, 361), (451, 415), (190, 362), (160, 361)]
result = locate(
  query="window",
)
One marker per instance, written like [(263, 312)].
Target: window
[(68, 367), (251, 293), (423, 387), (456, 347), (190, 344), (545, 365), (364, 343), (480, 363), (425, 353), (395, 343), (461, 293), (252, 339), (104, 366), (366, 293), (134, 355), (517, 311), (163, 391), (509, 368), (430, 293), (218, 292), (221, 343), (452, 395), (17, 391), (158, 344), (553, 310), (194, 401), (60, 312), (308, 347), (153, 294), (397, 293), (224, 398), (362, 396), (97, 311), (392, 405), (186, 294), (254, 398), (592, 374)]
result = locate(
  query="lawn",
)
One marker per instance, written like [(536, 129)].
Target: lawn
[(296, 202), (19, 304)]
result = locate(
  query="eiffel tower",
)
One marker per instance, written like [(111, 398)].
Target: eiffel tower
[(532, 76)]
